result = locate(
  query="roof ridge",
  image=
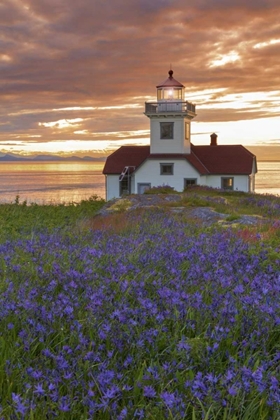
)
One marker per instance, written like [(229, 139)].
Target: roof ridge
[(199, 159), (218, 145)]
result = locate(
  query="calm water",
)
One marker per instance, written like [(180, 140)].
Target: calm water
[(268, 178), (64, 182), (51, 182)]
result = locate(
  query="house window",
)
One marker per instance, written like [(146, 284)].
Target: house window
[(187, 130), (190, 181), (166, 168), (166, 130), (227, 183)]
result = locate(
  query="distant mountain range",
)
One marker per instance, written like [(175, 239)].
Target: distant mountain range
[(10, 157)]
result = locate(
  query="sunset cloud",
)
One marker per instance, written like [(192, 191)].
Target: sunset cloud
[(62, 123), (83, 70)]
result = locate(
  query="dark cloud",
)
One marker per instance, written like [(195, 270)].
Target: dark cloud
[(66, 53)]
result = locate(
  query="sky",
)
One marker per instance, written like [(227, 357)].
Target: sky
[(75, 75)]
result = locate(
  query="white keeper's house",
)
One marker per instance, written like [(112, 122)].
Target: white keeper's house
[(171, 159)]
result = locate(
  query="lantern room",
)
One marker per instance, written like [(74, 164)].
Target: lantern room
[(170, 89), (170, 99)]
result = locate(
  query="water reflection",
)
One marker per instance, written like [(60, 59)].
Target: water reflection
[(48, 182)]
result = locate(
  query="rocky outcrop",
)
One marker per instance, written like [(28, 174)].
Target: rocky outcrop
[(207, 216)]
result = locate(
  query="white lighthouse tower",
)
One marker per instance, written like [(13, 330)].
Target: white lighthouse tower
[(170, 118)]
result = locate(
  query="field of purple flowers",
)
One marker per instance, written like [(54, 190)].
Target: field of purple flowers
[(156, 320)]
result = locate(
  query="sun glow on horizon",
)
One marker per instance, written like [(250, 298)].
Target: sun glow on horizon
[(91, 147), (245, 132)]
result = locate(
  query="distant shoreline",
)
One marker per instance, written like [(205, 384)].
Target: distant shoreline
[(268, 160), (50, 159)]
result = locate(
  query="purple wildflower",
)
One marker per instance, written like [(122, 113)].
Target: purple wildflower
[(168, 398), (123, 414), (149, 392), (64, 404), (232, 391), (19, 405), (39, 390)]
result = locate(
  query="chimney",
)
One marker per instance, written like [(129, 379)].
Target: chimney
[(213, 137)]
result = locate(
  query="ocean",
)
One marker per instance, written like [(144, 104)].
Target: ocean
[(67, 182), (51, 182)]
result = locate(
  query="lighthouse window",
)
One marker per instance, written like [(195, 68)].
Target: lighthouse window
[(166, 130), (187, 130), (159, 94), (171, 93), (177, 94), (166, 168)]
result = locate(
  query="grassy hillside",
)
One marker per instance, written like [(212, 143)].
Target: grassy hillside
[(140, 314)]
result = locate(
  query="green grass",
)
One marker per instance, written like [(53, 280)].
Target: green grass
[(18, 219)]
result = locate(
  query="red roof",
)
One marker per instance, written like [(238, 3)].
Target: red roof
[(170, 81), (125, 156), (225, 159), (207, 160)]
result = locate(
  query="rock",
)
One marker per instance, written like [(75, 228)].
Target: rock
[(206, 215)]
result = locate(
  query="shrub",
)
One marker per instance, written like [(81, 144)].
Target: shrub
[(161, 189)]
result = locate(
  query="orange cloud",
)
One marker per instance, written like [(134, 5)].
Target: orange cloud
[(97, 62)]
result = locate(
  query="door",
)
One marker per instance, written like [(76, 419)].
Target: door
[(142, 187)]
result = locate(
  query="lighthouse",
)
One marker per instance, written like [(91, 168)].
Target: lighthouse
[(172, 158), (170, 118)]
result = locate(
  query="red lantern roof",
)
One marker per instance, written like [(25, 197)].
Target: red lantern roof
[(170, 81)]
